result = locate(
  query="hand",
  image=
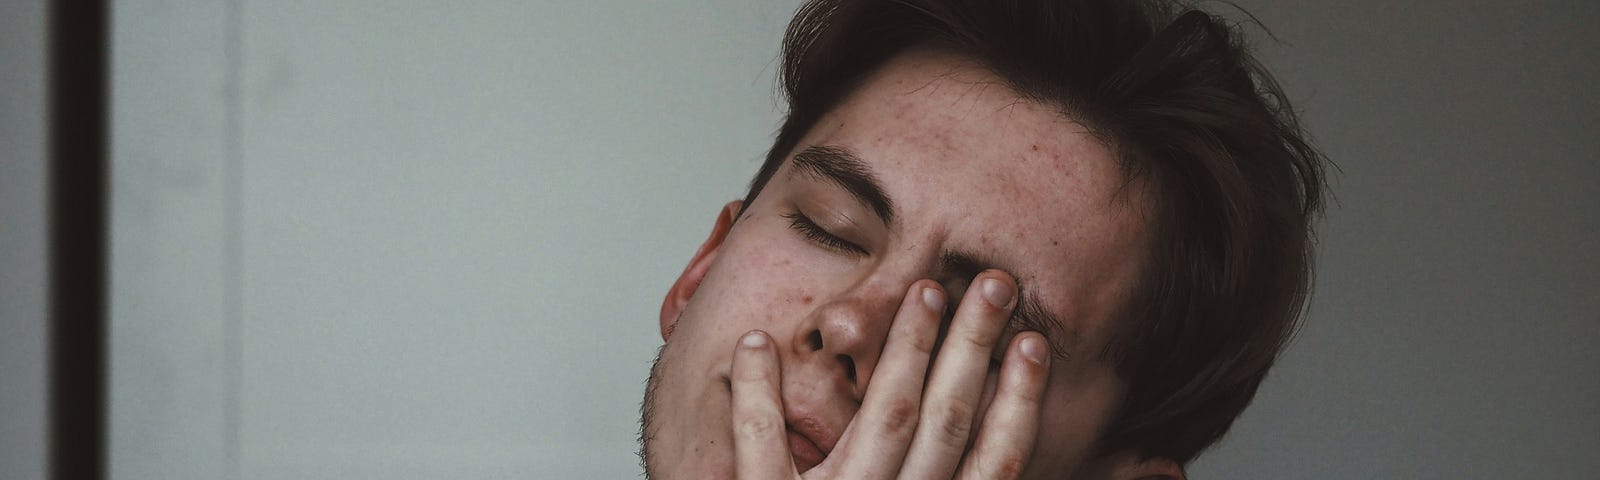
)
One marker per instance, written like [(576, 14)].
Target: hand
[(897, 433)]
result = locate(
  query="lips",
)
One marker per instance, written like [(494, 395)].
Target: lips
[(806, 453), (809, 441)]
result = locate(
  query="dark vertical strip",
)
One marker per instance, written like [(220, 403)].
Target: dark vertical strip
[(232, 234), (78, 219)]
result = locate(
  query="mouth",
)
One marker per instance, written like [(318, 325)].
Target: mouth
[(804, 435), (810, 441), (807, 454)]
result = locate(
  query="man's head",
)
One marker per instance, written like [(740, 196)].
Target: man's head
[(1133, 169)]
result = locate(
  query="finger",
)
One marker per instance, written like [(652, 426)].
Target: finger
[(760, 449), (1012, 422), (875, 443), (956, 386)]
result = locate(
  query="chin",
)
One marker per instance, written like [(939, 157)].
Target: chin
[(666, 450)]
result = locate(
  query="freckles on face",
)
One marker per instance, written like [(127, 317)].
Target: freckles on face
[(764, 278), (802, 296), (971, 167), (1003, 175)]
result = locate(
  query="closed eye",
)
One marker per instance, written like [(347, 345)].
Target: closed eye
[(816, 234)]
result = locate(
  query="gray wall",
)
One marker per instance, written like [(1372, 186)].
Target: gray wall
[(416, 239), (1456, 314), (22, 239), (428, 239)]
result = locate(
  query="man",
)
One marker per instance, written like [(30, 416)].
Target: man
[(993, 239)]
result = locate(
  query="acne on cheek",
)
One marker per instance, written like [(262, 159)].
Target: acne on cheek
[(771, 278), (804, 297), (800, 297)]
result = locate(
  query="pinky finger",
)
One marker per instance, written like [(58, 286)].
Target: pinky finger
[(1012, 422), (760, 449)]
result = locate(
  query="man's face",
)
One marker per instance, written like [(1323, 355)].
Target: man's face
[(933, 168)]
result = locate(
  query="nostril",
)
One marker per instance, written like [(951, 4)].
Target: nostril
[(815, 340), (849, 367)]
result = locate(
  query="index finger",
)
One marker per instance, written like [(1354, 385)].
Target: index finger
[(760, 448)]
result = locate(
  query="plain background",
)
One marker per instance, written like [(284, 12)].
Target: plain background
[(22, 239), (426, 239)]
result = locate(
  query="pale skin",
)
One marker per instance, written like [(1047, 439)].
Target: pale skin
[(949, 331)]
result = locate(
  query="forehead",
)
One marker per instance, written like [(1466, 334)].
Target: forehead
[(971, 164)]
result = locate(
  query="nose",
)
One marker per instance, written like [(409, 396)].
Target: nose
[(849, 334)]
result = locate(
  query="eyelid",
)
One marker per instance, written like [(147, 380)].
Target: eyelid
[(799, 222)]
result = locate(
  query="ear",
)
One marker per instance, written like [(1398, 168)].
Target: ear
[(1131, 466), (689, 281)]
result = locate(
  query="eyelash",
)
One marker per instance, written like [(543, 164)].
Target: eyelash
[(816, 234)]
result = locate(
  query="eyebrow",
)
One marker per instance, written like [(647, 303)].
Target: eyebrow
[(1029, 313), (842, 167)]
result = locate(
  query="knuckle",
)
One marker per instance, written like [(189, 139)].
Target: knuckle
[(953, 421), (921, 337), (900, 416), (757, 426), (1007, 465), (977, 339)]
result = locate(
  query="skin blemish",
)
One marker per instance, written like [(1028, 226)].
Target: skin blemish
[(1035, 148), (806, 300)]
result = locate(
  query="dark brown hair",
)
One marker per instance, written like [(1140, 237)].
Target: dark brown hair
[(1234, 182)]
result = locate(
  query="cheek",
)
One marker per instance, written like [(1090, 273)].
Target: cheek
[(760, 284), (1077, 409)]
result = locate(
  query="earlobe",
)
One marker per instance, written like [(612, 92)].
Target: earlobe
[(689, 281)]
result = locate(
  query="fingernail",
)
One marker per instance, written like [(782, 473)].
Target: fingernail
[(997, 292), (1034, 349), (753, 340), (933, 298)]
